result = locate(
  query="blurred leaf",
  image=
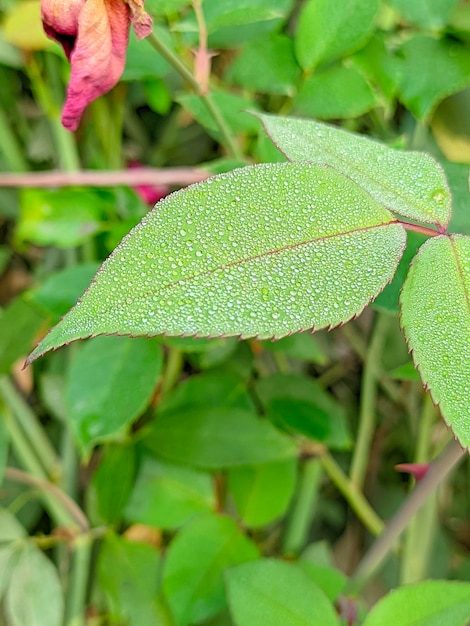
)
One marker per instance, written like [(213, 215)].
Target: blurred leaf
[(298, 416), (110, 382), (215, 438), (129, 573), (117, 467), (427, 14), (168, 496), (428, 603), (405, 372), (8, 557), (266, 65), (303, 390), (232, 108), (436, 320), (458, 180), (262, 493), (196, 561), (208, 260), (34, 596), (4, 258), (9, 54), (303, 346), (409, 183), (4, 447), (336, 92), (20, 324), (10, 528), (159, 8), (432, 69), (379, 65), (61, 290), (22, 27), (276, 593), (64, 218), (327, 30), (451, 127), (142, 60), (330, 580)]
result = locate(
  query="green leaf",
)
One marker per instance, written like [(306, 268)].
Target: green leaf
[(20, 324), (261, 251), (64, 218), (337, 92), (60, 291), (10, 528), (301, 417), (303, 346), (435, 303), (327, 30), (276, 593), (117, 467), (34, 596), (215, 438), (141, 59), (429, 603), (128, 573), (380, 65), (267, 65), (262, 493), (195, 564), (109, 384), (331, 581), (303, 390), (428, 14), (432, 69), (411, 184), (4, 445), (167, 496)]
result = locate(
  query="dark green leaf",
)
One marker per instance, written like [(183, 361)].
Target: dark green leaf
[(196, 561), (277, 593), (302, 346), (20, 324), (209, 259), (301, 417), (215, 438), (142, 61), (411, 184), (436, 319), (167, 496), (109, 384)]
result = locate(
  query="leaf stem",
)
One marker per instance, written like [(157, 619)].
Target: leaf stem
[(78, 581), (381, 548), (422, 230), (352, 494), (187, 75), (369, 390), (304, 506)]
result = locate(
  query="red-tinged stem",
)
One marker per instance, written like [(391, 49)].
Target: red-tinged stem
[(423, 230)]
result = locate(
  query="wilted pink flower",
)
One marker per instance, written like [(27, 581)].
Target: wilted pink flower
[(94, 35), (418, 470)]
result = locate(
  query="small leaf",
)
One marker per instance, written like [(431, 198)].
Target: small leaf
[(167, 496), (217, 438), (34, 596), (337, 92), (435, 303), (327, 30), (428, 14), (276, 593), (109, 384), (195, 563), (262, 493), (432, 69), (411, 184), (262, 251), (428, 603)]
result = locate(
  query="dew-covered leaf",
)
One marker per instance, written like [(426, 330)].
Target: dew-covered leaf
[(261, 251), (411, 184), (428, 603), (277, 593), (326, 30), (435, 303)]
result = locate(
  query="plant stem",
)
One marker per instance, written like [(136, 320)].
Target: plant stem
[(174, 365), (78, 581), (421, 529), (303, 510), (381, 548), (369, 389), (30, 426), (187, 75), (352, 494)]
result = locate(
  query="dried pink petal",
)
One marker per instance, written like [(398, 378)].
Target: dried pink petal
[(418, 470)]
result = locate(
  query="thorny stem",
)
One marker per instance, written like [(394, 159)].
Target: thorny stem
[(188, 76), (381, 548)]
